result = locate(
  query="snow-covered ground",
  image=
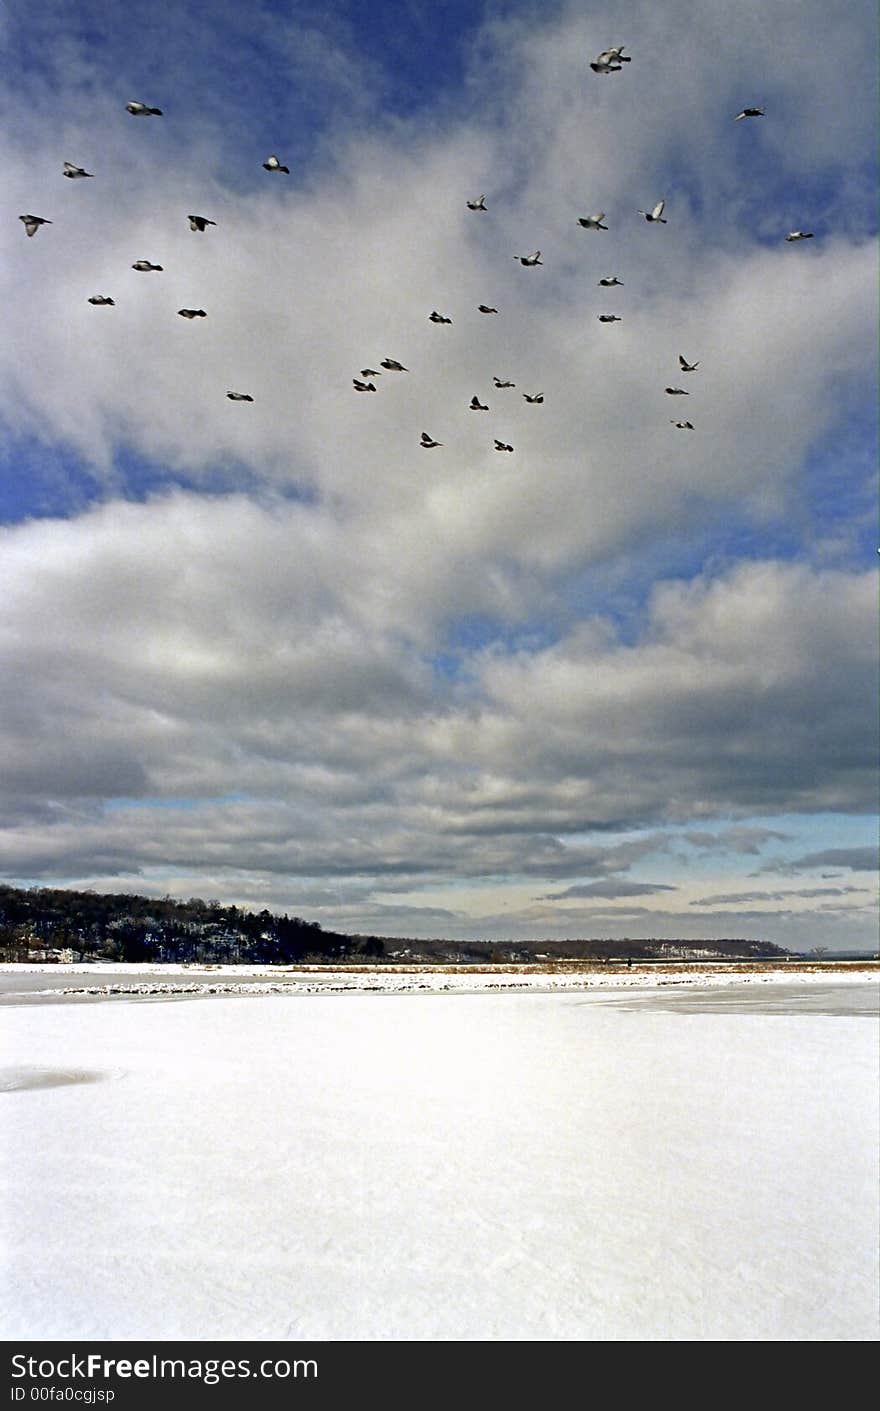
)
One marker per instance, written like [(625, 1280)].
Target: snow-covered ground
[(521, 1166), (113, 979)]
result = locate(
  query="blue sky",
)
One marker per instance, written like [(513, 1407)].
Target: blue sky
[(620, 682)]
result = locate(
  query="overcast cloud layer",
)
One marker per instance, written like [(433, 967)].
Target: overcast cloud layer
[(279, 654)]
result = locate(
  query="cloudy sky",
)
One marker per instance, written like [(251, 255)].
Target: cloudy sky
[(619, 682)]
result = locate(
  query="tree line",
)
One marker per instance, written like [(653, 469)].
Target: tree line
[(54, 923), (123, 926)]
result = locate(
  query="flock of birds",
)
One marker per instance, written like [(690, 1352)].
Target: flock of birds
[(608, 62)]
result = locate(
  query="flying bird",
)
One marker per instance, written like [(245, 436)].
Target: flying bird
[(239, 396), (478, 406), (101, 299), (486, 309), (610, 283), (534, 259), (140, 110), (499, 383), (273, 164), (601, 65), (199, 222), (610, 318), (438, 318), (427, 442), (363, 386), (192, 313), (33, 223), (479, 205), (73, 172), (614, 56), (501, 445), (539, 397), (144, 266), (370, 372), (686, 366), (749, 113), (593, 222), (677, 392), (656, 214), (794, 235), (393, 366), (683, 425)]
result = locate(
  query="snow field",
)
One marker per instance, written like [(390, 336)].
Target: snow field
[(491, 1167)]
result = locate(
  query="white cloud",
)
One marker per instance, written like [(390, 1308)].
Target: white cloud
[(611, 889), (263, 643), (202, 648), (856, 859), (794, 894)]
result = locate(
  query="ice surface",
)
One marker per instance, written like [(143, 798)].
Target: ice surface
[(483, 1166), (23, 983)]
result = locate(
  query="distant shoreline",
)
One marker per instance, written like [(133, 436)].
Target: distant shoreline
[(116, 980), (824, 965)]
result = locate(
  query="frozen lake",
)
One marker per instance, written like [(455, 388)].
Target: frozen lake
[(642, 1165)]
